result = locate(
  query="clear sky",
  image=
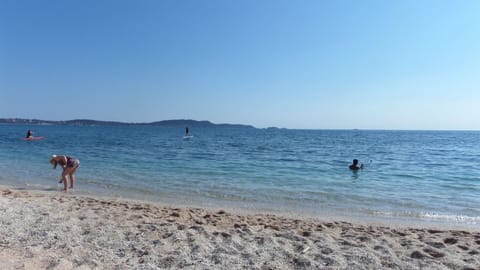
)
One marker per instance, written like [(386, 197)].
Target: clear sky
[(403, 64)]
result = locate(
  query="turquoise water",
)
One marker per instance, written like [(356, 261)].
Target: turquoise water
[(411, 176)]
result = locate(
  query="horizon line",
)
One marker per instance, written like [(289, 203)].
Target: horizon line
[(250, 125)]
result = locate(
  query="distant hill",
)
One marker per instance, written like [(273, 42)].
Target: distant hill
[(88, 122)]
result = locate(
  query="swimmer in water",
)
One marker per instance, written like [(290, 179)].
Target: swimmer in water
[(29, 134), (355, 165)]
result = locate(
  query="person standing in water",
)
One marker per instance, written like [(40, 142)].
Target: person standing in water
[(187, 131), (355, 165), (69, 165)]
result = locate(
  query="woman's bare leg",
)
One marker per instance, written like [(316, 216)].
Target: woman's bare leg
[(64, 178), (72, 177), (72, 180)]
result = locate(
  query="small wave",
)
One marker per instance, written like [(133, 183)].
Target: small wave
[(287, 159), (456, 218), (463, 219), (406, 176)]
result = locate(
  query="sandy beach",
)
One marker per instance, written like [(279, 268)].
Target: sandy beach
[(53, 230)]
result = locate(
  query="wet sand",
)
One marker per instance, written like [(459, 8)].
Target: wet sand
[(54, 230)]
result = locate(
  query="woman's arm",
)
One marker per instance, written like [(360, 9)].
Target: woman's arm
[(64, 161)]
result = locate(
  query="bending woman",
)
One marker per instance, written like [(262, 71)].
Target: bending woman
[(69, 165)]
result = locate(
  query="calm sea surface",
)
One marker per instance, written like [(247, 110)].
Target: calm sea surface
[(409, 176)]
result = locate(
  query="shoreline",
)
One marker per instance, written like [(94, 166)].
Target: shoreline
[(246, 209), (43, 229)]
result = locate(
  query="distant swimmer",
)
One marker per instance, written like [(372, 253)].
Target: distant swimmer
[(355, 165), (69, 165), (29, 134)]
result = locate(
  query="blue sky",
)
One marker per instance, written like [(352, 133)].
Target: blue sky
[(295, 64)]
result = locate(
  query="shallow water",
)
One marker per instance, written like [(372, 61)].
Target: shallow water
[(412, 176)]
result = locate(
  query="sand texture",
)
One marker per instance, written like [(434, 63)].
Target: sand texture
[(53, 230)]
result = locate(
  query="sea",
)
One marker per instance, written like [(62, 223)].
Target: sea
[(410, 177)]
